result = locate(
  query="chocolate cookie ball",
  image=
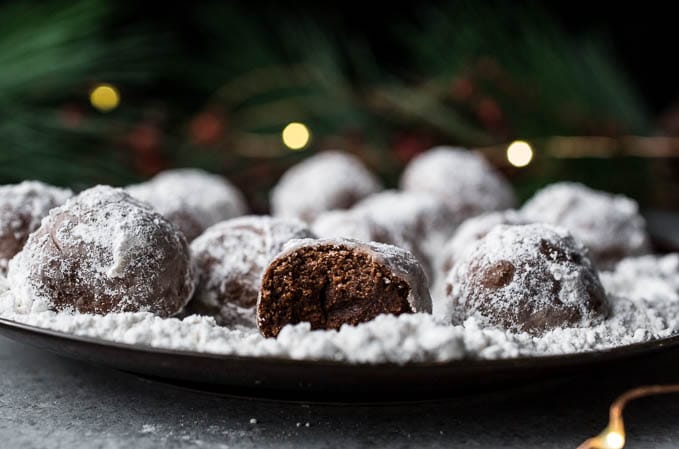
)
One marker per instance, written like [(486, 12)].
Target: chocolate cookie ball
[(529, 278), (354, 224), (421, 215), (190, 198), (331, 282), (463, 179), (609, 225), (22, 207), (230, 258), (329, 180), (103, 251), (471, 231)]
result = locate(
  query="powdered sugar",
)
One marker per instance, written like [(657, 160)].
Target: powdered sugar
[(609, 225), (4, 285), (192, 199), (464, 179), (22, 207), (358, 224), (103, 250), (470, 232), (348, 224), (420, 214), (651, 278), (230, 258), (403, 339), (329, 180), (527, 277)]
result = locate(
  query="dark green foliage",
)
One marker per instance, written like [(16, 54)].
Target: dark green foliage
[(217, 96)]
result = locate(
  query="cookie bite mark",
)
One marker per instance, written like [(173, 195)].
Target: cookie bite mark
[(230, 258), (332, 282)]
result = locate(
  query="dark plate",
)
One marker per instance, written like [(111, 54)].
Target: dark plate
[(329, 381)]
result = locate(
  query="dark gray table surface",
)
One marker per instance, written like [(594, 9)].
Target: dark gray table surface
[(52, 402)]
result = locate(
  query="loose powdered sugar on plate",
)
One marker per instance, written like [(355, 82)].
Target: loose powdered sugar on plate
[(638, 315)]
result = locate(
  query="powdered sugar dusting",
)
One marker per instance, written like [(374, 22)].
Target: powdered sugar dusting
[(609, 225), (22, 207), (471, 231), (464, 179), (526, 277), (4, 285), (650, 278), (190, 198), (329, 180), (96, 238), (346, 223), (230, 259), (403, 339), (420, 214), (359, 225)]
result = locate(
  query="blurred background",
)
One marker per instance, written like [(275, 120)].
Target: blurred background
[(113, 92)]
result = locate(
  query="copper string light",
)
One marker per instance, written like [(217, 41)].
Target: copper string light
[(613, 436)]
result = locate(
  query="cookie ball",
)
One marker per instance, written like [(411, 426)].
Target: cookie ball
[(22, 207), (331, 282), (471, 231), (190, 198), (230, 258), (421, 215), (329, 180), (463, 179), (103, 251), (354, 224), (529, 278), (609, 225)]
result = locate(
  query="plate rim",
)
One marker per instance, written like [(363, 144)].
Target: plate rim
[(616, 352)]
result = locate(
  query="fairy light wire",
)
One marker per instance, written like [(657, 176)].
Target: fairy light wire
[(613, 436)]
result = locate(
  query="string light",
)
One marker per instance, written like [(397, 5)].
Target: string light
[(613, 436), (615, 440), (296, 136), (519, 153), (105, 97)]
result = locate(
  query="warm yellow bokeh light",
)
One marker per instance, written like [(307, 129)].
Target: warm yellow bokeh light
[(519, 153), (105, 97), (296, 136), (614, 440)]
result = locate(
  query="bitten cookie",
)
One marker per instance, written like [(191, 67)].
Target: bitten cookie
[(354, 224), (230, 258), (331, 282)]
